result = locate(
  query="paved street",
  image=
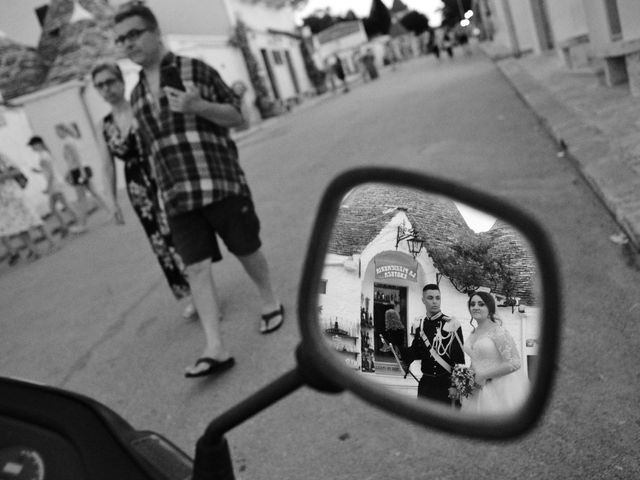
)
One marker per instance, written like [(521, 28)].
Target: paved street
[(98, 318)]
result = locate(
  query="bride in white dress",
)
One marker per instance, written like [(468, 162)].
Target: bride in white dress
[(495, 360)]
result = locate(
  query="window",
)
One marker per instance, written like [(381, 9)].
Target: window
[(613, 16), (277, 57), (322, 288)]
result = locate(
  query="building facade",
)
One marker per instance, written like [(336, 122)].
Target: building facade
[(593, 33)]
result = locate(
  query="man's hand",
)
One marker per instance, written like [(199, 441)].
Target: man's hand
[(183, 102)]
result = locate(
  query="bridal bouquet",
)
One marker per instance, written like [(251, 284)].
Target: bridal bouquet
[(463, 380)]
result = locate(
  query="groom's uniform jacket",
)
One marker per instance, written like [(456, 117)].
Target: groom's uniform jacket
[(419, 351)]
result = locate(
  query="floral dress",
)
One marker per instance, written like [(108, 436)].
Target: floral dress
[(16, 213), (143, 194)]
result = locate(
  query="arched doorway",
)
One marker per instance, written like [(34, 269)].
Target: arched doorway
[(392, 281)]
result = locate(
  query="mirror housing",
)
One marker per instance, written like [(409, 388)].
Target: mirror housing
[(331, 375)]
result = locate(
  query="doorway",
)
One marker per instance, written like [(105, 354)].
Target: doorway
[(292, 71), (272, 77), (387, 297), (543, 25)]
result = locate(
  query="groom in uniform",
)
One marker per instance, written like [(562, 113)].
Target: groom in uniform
[(438, 344)]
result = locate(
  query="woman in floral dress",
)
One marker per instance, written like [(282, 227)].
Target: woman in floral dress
[(117, 129), (17, 216)]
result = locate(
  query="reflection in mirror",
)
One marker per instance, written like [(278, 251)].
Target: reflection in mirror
[(431, 299)]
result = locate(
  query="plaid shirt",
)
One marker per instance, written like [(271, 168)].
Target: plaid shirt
[(195, 160)]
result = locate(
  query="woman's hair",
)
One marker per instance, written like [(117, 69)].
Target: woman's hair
[(111, 67), (489, 301)]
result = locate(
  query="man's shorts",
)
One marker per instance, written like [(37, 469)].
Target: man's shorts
[(79, 176), (233, 219)]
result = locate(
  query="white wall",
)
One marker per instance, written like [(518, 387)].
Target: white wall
[(629, 18), (259, 17), (523, 23), (344, 44), (64, 105), (525, 26), (15, 132), (596, 17), (281, 43), (567, 18)]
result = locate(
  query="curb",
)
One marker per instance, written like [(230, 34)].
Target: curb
[(590, 150)]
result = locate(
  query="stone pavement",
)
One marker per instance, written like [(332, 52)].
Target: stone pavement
[(596, 127)]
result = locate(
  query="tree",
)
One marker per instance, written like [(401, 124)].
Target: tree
[(470, 263), (415, 22), (379, 20), (398, 6), (453, 11), (317, 24)]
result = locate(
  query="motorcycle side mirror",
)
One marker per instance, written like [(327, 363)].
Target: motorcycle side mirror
[(381, 236)]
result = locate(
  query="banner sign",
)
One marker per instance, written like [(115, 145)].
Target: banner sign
[(386, 269)]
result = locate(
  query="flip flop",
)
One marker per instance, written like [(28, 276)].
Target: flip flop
[(213, 366), (266, 318)]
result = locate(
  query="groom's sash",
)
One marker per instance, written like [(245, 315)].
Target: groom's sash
[(434, 354)]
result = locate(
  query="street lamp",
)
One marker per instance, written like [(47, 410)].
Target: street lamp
[(414, 241)]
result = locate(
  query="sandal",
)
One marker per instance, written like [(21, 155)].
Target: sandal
[(265, 321), (213, 366)]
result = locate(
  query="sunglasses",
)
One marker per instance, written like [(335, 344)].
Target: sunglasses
[(110, 82), (131, 36)]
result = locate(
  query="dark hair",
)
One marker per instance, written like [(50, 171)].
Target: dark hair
[(136, 9), (488, 300), (35, 140), (111, 67), (430, 286)]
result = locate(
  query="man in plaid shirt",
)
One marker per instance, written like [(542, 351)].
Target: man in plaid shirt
[(183, 111)]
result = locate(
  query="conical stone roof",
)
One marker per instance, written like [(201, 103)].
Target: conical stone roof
[(76, 47), (22, 69), (65, 51)]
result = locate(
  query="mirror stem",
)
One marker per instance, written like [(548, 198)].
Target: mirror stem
[(263, 398)]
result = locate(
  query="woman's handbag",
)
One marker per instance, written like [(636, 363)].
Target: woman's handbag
[(19, 177)]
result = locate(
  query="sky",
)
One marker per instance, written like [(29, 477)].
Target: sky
[(361, 7), (476, 220)]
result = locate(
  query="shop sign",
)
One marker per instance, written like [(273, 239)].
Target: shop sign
[(390, 269)]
